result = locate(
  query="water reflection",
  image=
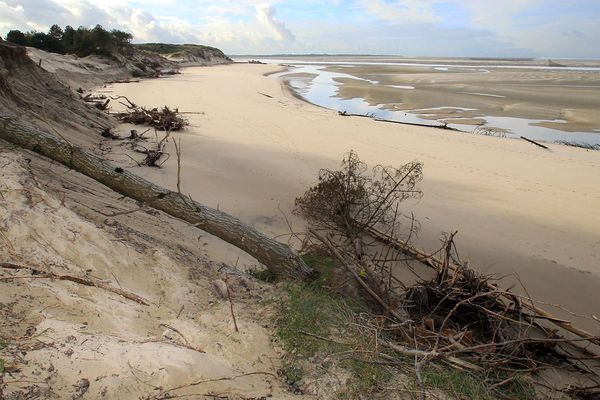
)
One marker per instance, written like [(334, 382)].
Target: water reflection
[(320, 87)]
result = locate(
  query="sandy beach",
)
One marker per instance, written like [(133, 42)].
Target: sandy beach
[(252, 148)]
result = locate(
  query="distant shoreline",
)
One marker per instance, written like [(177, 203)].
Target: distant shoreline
[(469, 110), (542, 63)]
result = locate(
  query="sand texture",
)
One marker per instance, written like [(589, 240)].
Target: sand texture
[(518, 208), (63, 340)]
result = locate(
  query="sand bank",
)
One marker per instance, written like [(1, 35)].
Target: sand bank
[(570, 97), (518, 208)]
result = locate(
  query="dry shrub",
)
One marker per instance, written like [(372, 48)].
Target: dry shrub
[(354, 198)]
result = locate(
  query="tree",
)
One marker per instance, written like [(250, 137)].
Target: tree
[(102, 41), (278, 257), (53, 39), (16, 37), (39, 40), (122, 39), (68, 39), (81, 41), (55, 32)]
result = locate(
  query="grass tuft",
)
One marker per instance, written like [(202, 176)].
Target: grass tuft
[(319, 327)]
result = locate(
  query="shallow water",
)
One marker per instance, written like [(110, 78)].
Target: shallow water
[(437, 66), (323, 90)]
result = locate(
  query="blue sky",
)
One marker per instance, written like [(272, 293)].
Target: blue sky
[(485, 28)]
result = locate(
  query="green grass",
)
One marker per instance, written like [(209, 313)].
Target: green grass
[(264, 275), (308, 311), (464, 385), (166, 48), (456, 382), (2, 347), (314, 324)]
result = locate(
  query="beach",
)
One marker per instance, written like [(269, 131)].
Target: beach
[(252, 147), (500, 98)]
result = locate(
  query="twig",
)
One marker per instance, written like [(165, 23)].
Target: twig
[(7, 240), (322, 338), (176, 331), (81, 281), (534, 142), (231, 305), (178, 152), (418, 366), (166, 394), (122, 212)]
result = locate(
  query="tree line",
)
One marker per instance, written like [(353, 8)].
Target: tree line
[(81, 41)]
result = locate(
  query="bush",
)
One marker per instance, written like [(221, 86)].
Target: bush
[(16, 37)]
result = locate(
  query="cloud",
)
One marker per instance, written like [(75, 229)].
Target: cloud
[(404, 11), (411, 27), (266, 16)]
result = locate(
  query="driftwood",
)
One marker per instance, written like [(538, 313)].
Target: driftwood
[(438, 264), (38, 272), (534, 142), (164, 119), (100, 102), (279, 258), (377, 119)]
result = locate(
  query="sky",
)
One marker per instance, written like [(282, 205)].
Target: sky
[(448, 28)]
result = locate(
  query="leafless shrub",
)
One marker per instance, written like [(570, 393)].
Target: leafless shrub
[(459, 315), (350, 200)]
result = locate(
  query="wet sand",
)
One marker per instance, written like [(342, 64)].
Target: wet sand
[(572, 96), (518, 208)]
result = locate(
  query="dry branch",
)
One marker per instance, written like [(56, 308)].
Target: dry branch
[(39, 272), (352, 268), (534, 142), (457, 313), (164, 119), (279, 258), (438, 264)]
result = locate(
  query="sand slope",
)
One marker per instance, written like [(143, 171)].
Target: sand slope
[(518, 208), (68, 341)]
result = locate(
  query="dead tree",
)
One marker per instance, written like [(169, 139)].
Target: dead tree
[(351, 200), (458, 315), (279, 258)]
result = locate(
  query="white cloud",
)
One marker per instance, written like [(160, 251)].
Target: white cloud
[(266, 16), (403, 11), (416, 27)]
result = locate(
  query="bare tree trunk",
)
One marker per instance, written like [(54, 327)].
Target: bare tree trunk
[(279, 258)]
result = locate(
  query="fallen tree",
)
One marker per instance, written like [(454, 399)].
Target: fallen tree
[(278, 257)]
